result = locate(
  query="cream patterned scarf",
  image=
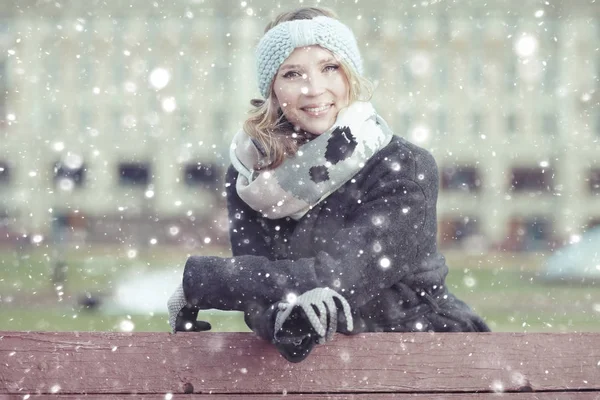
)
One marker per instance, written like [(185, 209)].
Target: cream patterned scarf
[(320, 167)]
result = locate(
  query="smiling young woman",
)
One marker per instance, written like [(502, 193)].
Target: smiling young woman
[(332, 216), (311, 89), (267, 120)]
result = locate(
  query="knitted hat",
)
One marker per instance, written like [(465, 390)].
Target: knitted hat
[(280, 41)]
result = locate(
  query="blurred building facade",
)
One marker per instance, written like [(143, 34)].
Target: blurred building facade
[(115, 117)]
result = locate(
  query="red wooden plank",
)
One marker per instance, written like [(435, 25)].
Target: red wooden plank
[(365, 396), (107, 362)]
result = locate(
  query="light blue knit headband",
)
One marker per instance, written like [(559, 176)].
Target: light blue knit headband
[(279, 42)]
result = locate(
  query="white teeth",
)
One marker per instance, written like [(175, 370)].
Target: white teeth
[(317, 109)]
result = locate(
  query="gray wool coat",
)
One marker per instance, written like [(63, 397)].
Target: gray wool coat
[(373, 241)]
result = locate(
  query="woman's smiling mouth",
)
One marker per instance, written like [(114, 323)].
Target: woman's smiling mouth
[(316, 111)]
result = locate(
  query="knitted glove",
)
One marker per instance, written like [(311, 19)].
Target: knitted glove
[(182, 316), (312, 318)]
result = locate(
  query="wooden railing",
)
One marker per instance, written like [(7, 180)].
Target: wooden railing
[(107, 365)]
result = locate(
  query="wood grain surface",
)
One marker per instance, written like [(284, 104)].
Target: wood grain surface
[(386, 365)]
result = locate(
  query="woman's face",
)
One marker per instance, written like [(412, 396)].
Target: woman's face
[(311, 88)]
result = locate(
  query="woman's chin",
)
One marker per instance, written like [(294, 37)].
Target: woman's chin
[(317, 128)]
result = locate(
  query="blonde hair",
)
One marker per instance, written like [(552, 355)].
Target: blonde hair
[(267, 124)]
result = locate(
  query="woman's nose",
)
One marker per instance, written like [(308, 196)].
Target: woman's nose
[(314, 85)]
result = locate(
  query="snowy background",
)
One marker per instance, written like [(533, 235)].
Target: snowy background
[(115, 120)]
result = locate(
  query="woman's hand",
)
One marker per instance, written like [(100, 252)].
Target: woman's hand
[(308, 320), (314, 313), (182, 316)]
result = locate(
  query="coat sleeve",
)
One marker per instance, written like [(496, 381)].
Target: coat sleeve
[(384, 240), (245, 229)]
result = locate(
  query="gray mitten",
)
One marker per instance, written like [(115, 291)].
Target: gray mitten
[(318, 308), (182, 316)]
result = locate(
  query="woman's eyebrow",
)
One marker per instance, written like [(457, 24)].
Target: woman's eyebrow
[(290, 66), (328, 60), (298, 66)]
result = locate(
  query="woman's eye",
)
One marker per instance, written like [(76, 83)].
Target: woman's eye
[(291, 74), (331, 68)]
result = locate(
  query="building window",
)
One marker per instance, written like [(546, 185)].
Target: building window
[(549, 125), (530, 233), (134, 174), (538, 230), (85, 120), (406, 121), (4, 172), (442, 123), (4, 219), (53, 121), (511, 123), (550, 74), (594, 223), (442, 71), (477, 71), (407, 74), (594, 181), (6, 222), (532, 179), (222, 119), (185, 123), (68, 175), (550, 44), (510, 76), (454, 230), (85, 70), (476, 124), (119, 65), (51, 63), (461, 178), (117, 122), (3, 91), (201, 174)]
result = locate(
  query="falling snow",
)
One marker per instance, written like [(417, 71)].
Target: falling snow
[(115, 126)]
